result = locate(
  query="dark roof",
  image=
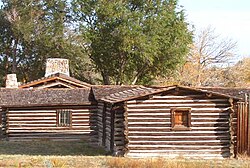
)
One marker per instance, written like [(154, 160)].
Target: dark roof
[(101, 91), (214, 92), (57, 76), (204, 90), (43, 97), (131, 93), (81, 96), (141, 91), (235, 92)]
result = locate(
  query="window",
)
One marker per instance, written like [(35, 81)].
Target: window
[(64, 118), (181, 118)]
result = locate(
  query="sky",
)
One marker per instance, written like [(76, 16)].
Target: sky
[(229, 18)]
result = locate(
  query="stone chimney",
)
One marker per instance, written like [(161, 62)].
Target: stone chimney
[(57, 65), (11, 81)]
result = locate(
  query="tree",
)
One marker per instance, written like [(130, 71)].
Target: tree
[(32, 31), (207, 61), (5, 48), (239, 74), (133, 41)]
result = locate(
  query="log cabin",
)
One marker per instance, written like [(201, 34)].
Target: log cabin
[(131, 121), (55, 107), (56, 114), (173, 121)]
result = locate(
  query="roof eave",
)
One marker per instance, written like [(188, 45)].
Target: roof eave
[(46, 105), (135, 97), (207, 91)]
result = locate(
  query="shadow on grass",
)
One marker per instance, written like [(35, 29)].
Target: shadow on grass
[(60, 148)]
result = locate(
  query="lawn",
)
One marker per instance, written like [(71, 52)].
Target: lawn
[(49, 154)]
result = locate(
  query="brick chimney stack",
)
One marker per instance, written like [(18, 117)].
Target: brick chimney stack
[(57, 65), (11, 81)]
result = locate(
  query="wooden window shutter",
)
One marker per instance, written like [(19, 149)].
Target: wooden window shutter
[(180, 118)]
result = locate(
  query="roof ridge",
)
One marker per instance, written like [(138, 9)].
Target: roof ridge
[(52, 76), (139, 91)]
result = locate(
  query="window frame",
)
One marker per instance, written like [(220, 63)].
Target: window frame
[(58, 118), (183, 110)]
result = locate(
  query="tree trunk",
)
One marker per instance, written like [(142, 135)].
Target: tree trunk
[(135, 80), (122, 61), (198, 80), (7, 54), (138, 74), (14, 63), (106, 79)]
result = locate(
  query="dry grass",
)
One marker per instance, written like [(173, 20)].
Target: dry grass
[(47, 154), (243, 156), (26, 161), (175, 163)]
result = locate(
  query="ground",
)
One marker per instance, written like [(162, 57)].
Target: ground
[(48, 154)]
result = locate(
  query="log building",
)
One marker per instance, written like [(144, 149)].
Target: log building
[(133, 121), (172, 121), (57, 114)]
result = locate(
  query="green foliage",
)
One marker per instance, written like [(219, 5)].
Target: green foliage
[(133, 41), (31, 32), (126, 42)]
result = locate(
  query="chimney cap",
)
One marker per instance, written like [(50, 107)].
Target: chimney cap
[(57, 65), (11, 81)]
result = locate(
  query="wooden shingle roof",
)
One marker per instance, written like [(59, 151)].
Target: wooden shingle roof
[(141, 91), (81, 96), (235, 92), (54, 80), (101, 91), (43, 97), (131, 93)]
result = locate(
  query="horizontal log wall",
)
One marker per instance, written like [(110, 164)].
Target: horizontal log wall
[(149, 127), (41, 123)]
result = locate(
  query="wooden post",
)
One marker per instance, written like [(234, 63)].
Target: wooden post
[(4, 122), (1, 120), (7, 123), (245, 123), (104, 124), (239, 123), (248, 138), (126, 141), (231, 127), (112, 124)]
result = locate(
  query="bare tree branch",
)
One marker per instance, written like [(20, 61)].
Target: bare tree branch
[(209, 50)]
